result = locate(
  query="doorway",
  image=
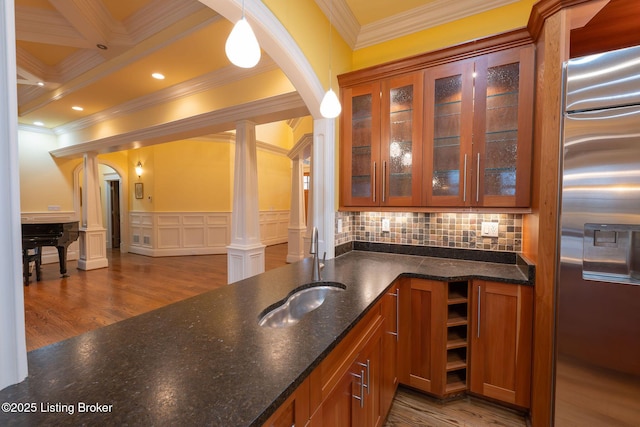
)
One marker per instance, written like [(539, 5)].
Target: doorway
[(114, 214)]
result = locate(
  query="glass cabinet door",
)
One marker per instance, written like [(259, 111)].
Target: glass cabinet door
[(401, 141), (448, 127), (503, 129), (361, 146)]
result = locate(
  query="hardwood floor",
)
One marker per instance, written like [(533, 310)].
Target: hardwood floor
[(413, 409), (60, 308)]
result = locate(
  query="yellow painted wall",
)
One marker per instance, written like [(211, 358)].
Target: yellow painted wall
[(309, 27), (304, 127), (278, 134), (44, 180), (191, 176), (146, 157), (274, 181)]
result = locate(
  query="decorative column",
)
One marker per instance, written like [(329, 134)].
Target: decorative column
[(13, 349), (245, 254), (93, 236), (311, 215), (297, 223), (322, 189)]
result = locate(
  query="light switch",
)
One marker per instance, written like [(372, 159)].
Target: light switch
[(340, 225), (489, 229)]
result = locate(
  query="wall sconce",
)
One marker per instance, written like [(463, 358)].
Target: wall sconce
[(242, 46), (139, 169)]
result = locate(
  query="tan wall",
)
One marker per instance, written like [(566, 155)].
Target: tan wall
[(44, 180)]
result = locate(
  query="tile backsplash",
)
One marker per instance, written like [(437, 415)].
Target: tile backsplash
[(451, 230)]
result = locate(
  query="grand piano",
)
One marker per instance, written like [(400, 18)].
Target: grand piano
[(37, 235)]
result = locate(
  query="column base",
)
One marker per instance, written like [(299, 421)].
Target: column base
[(244, 261), (93, 249), (296, 244)]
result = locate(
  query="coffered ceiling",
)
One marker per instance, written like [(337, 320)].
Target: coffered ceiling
[(99, 54)]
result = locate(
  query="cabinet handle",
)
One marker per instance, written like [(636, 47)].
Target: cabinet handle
[(367, 366), (375, 172), (478, 180), (361, 397), (384, 180), (464, 180), (478, 319), (397, 295)]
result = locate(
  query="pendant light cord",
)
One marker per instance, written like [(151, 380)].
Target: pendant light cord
[(330, 40)]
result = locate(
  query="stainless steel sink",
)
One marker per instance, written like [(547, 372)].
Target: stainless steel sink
[(301, 301)]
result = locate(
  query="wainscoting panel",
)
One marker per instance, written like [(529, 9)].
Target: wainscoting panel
[(274, 227), (196, 233)]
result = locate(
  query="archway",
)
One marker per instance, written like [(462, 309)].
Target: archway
[(123, 189)]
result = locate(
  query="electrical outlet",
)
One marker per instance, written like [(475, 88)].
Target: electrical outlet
[(489, 229), (340, 225), (386, 224)]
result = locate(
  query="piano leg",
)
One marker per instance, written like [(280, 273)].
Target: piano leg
[(38, 260), (25, 266), (62, 257)]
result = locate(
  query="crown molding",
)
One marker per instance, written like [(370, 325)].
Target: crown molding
[(343, 19), (302, 148), (421, 18), (36, 129)]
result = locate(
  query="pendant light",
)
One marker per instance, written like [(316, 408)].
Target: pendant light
[(242, 46), (330, 106)]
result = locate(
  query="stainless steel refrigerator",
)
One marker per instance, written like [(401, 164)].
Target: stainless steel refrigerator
[(597, 369)]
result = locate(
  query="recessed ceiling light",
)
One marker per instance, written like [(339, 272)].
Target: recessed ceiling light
[(38, 123), (77, 108), (40, 84), (158, 76), (101, 46)]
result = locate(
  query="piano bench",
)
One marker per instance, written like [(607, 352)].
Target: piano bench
[(29, 257)]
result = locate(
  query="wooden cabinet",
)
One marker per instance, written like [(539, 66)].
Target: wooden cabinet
[(391, 315), (478, 131), (433, 336), (501, 340), (450, 128), (345, 389), (381, 143), (294, 411)]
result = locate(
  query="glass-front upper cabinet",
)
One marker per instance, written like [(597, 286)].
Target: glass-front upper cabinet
[(360, 152), (478, 131), (381, 143), (448, 130), (503, 128), (401, 151)]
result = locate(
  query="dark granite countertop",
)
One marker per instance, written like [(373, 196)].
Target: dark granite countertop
[(205, 360)]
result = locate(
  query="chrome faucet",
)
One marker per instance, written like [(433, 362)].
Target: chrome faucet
[(314, 251)]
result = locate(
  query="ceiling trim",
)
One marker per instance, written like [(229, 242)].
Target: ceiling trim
[(421, 18), (435, 13), (344, 21), (187, 88), (268, 110), (302, 148)]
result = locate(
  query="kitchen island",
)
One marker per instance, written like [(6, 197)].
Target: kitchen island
[(205, 360)]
